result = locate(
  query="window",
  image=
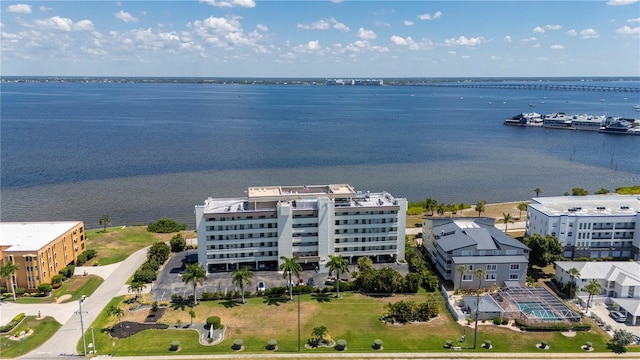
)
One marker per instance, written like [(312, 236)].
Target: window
[(514, 276), (470, 268), (490, 277), (511, 252), (492, 267), (514, 267), (467, 277), (465, 253)]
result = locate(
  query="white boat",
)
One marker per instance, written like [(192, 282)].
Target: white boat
[(525, 119)]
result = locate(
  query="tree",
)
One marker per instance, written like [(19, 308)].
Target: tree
[(537, 191), (602, 191), (192, 315), (105, 220), (45, 288), (574, 274), (522, 207), (6, 272), (158, 252), (576, 191), (593, 288), (338, 265), (481, 206), (365, 263), (430, 205), (622, 338), (195, 274), (442, 208), (242, 277), (177, 243), (506, 219), (115, 310), (462, 269), (165, 226), (290, 267), (137, 287), (480, 273), (544, 250)]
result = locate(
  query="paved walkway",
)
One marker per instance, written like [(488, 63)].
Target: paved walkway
[(65, 340)]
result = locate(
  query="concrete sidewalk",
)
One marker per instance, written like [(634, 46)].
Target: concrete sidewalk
[(65, 340)]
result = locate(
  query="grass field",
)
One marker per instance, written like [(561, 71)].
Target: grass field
[(354, 317), (75, 287), (116, 244), (42, 330)]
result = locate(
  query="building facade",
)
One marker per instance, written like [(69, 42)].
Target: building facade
[(311, 222), (40, 249), (471, 244), (619, 282), (595, 226)]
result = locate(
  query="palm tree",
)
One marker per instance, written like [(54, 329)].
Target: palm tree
[(114, 310), (537, 191), (522, 207), (442, 208), (242, 277), (105, 220), (137, 287), (7, 272), (480, 273), (430, 205), (290, 267), (480, 206), (338, 265), (593, 288), (194, 274), (574, 273), (462, 269), (192, 315), (506, 218)]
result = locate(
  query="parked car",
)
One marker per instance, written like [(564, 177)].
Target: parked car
[(618, 316), (311, 282), (300, 282), (261, 286)]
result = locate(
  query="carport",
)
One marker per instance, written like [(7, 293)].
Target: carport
[(630, 307)]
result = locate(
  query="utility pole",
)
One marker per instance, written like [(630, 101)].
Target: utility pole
[(299, 291), (480, 273), (80, 312)]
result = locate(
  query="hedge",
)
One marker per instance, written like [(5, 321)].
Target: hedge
[(12, 324), (552, 326)]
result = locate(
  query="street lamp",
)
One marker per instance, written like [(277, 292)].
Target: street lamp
[(84, 344)]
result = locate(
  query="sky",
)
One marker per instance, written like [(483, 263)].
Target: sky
[(321, 38)]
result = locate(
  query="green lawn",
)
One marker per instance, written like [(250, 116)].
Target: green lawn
[(354, 317), (76, 287), (42, 331)]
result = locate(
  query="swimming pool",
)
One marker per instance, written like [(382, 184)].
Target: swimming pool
[(538, 310)]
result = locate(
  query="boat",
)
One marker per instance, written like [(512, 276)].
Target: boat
[(525, 119), (622, 126)]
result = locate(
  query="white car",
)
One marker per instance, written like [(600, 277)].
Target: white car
[(261, 286)]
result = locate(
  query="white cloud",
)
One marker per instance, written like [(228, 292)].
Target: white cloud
[(323, 24), (538, 29), (529, 39), (464, 41), (553, 27), (312, 46), (621, 2), (589, 33), (572, 32), (55, 23), (366, 34), (262, 27), (44, 8), (626, 30), (634, 20), (428, 16), (556, 47), (452, 52), (125, 16), (336, 1), (85, 25), (411, 44), (465, 56), (19, 8), (408, 23), (493, 57), (230, 3), (507, 39)]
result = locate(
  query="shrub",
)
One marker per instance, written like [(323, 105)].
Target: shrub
[(588, 345), (154, 306), (377, 344), (82, 259), (214, 321), (487, 344), (57, 279), (12, 324), (341, 344), (175, 345), (237, 344), (206, 295), (67, 271), (91, 253), (165, 225), (449, 344), (178, 243), (505, 321), (145, 276), (272, 344), (543, 345), (45, 288), (20, 291), (497, 320)]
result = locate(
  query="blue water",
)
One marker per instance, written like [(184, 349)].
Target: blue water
[(139, 151)]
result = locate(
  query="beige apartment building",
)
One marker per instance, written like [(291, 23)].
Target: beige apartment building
[(40, 249)]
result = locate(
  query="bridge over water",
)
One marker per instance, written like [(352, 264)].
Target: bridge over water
[(538, 86)]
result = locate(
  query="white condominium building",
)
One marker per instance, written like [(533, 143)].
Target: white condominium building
[(311, 222), (594, 226)]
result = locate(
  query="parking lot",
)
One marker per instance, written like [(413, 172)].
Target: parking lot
[(170, 280), (602, 311)]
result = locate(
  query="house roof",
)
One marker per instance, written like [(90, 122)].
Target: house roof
[(457, 234), (622, 272), (631, 305), (32, 236), (500, 259), (487, 304)]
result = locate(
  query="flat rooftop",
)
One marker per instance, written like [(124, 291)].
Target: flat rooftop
[(31, 236), (590, 205), (334, 190)]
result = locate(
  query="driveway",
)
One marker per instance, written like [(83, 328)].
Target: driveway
[(602, 311)]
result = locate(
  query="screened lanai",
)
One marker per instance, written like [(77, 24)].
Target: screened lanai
[(533, 304)]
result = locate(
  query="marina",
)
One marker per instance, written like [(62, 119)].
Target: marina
[(561, 120)]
